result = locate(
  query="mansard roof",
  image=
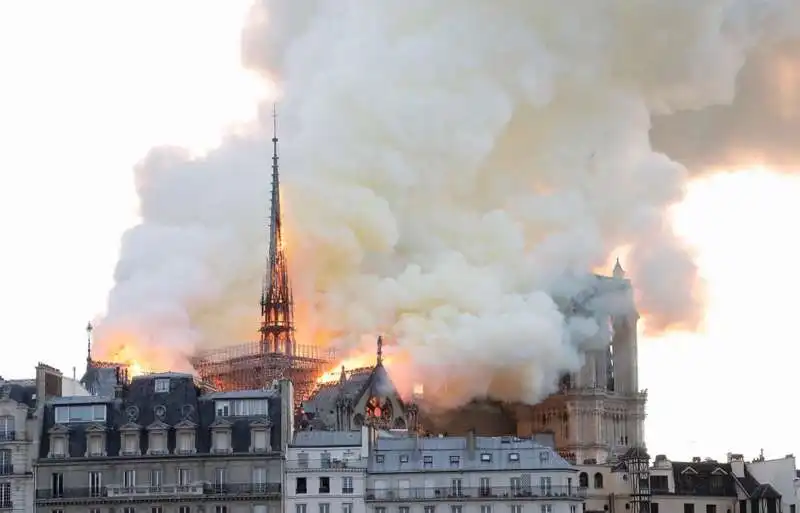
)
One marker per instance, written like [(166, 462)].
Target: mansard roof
[(139, 406), (711, 479), (19, 391)]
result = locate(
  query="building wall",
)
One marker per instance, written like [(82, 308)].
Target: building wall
[(337, 473), (781, 474), (19, 444), (677, 504)]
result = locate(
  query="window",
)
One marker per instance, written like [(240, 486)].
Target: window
[(486, 457), (516, 485), (129, 510), (302, 460), (260, 479), (324, 484), (185, 442), (347, 507), (427, 461), (185, 509), (6, 428), (95, 445), (380, 509), (156, 480), (301, 486), (129, 479), (221, 509), (156, 509), (94, 510), (598, 480), (485, 488), (455, 461), (130, 445), (547, 508), (6, 467), (95, 484), (544, 457), (242, 408), (324, 507), (184, 477), (583, 479), (516, 508), (347, 484), (325, 460), (513, 456), (404, 509), (5, 495), (573, 508), (430, 509), (404, 458), (545, 485), (455, 488), (59, 447), (711, 508), (300, 508), (57, 484), (486, 508), (653, 507), (379, 458), (162, 385), (455, 509), (158, 443), (222, 440), (220, 478), (792, 508), (84, 413), (688, 507)]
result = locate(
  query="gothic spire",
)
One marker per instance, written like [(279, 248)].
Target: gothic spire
[(277, 311), (379, 359), (89, 329)]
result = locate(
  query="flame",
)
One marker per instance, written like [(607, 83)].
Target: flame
[(125, 349), (358, 361)]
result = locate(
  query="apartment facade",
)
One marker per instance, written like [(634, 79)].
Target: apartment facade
[(326, 472), (17, 430), (469, 475), (161, 444)]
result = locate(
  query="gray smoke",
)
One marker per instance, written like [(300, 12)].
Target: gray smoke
[(446, 166)]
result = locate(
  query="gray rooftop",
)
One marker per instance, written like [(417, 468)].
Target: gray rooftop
[(242, 394), (327, 439), (409, 454), (80, 399)]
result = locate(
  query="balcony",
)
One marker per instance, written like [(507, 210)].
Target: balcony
[(477, 494), (8, 436), (326, 465), (6, 469), (146, 492), (244, 489), (4, 505), (130, 492)]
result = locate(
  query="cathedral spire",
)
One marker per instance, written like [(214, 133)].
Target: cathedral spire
[(277, 310), (89, 330), (379, 359), (619, 272)]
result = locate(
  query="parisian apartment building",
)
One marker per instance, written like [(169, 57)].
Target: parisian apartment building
[(326, 472), (160, 443)]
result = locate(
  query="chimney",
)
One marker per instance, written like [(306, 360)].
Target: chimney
[(371, 435), (737, 464), (48, 382), (287, 412), (471, 444)]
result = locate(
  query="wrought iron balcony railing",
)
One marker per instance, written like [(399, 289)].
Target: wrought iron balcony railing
[(6, 505), (121, 492), (8, 436), (6, 469), (243, 489), (477, 493)]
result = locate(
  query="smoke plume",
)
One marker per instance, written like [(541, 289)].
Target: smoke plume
[(450, 168)]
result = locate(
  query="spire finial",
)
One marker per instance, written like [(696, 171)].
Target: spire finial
[(380, 350), (89, 330), (619, 272)]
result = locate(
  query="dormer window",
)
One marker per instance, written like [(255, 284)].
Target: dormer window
[(260, 439), (162, 385), (544, 457), (157, 438), (221, 436), (95, 441), (185, 437), (59, 436)]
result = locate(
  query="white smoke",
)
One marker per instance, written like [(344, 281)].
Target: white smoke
[(446, 164)]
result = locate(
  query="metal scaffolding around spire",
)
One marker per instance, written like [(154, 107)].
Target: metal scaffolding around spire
[(275, 356)]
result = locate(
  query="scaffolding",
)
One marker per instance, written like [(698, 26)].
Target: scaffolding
[(251, 366)]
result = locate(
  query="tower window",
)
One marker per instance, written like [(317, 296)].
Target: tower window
[(162, 385)]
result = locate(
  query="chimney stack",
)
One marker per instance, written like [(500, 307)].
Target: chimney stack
[(471, 444), (48, 382)]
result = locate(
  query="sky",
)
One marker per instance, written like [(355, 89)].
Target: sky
[(76, 116)]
